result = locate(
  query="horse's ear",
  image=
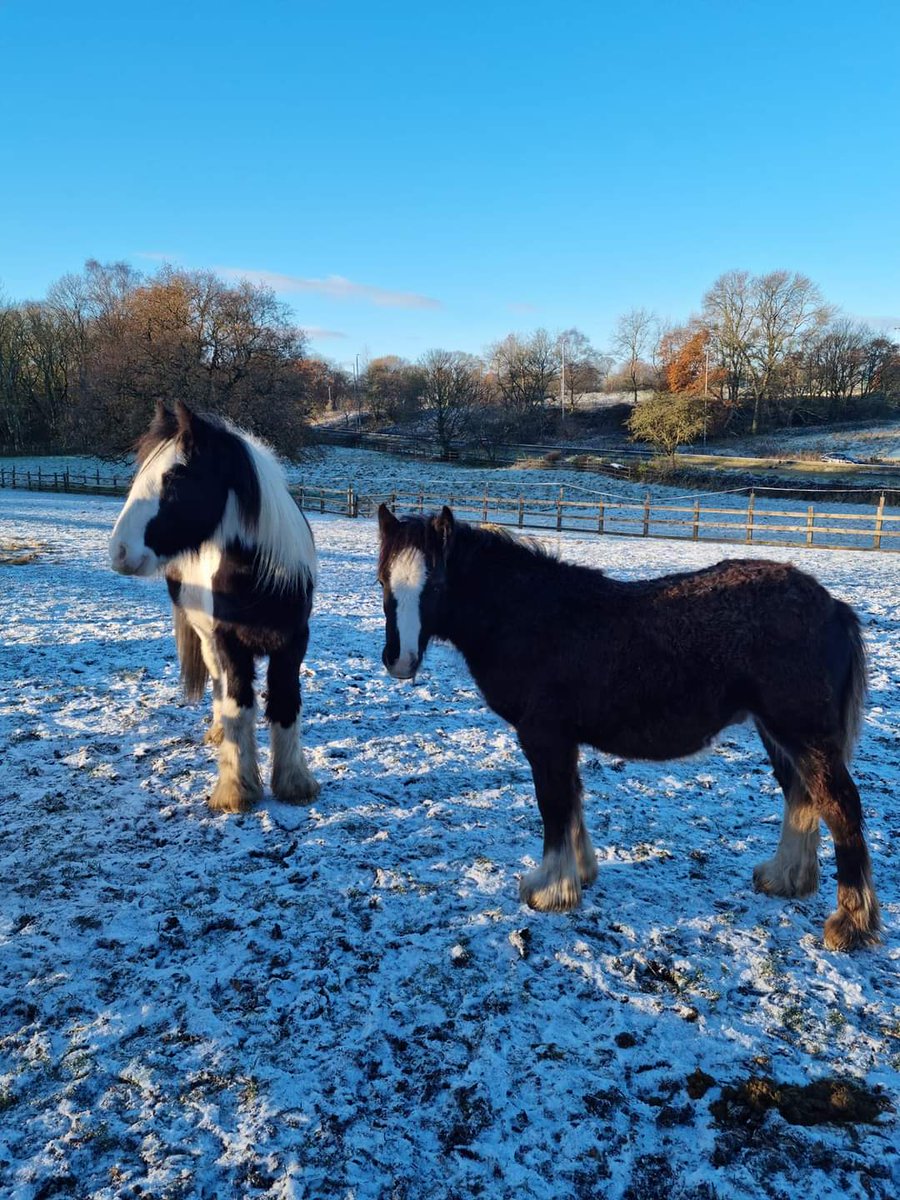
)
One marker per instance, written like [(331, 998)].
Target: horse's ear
[(162, 423), (387, 522), (444, 523), (184, 416), (187, 425)]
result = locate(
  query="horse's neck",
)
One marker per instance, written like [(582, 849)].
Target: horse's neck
[(478, 604)]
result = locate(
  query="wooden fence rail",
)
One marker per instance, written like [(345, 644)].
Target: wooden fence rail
[(752, 524)]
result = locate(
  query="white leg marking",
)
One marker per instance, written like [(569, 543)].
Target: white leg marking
[(555, 885), (292, 780), (794, 869), (584, 854), (239, 784)]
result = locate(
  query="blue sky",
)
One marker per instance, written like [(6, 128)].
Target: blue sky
[(417, 175)]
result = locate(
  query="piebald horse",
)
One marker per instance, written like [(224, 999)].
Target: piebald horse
[(209, 507)]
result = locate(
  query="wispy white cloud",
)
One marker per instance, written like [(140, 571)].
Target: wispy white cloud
[(881, 324), (163, 256), (317, 334), (522, 307), (334, 287)]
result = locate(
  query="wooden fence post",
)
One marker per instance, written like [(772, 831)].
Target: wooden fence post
[(646, 514), (600, 517), (394, 502), (750, 519), (484, 507), (521, 511), (810, 520), (879, 523), (695, 528), (559, 501), (421, 502)]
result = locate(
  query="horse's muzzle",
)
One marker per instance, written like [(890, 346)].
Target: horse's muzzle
[(138, 561), (404, 667)]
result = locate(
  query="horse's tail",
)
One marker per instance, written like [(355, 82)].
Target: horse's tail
[(193, 669), (854, 688)]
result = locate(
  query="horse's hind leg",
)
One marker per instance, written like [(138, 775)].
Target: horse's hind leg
[(215, 733), (794, 869), (569, 860), (238, 787), (292, 780), (856, 920)]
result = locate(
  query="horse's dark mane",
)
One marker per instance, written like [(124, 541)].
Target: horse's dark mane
[(418, 532)]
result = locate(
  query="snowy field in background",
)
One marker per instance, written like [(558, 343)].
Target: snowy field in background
[(377, 475), (348, 1000)]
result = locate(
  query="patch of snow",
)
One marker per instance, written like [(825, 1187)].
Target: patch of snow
[(348, 999)]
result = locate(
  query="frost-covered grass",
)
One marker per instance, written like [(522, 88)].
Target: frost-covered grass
[(348, 1000), (724, 511)]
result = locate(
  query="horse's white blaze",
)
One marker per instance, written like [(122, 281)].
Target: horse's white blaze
[(128, 553), (406, 580)]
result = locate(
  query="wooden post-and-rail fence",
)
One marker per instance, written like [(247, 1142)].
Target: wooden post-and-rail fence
[(751, 524)]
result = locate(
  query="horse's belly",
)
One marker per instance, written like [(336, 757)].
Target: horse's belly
[(662, 738)]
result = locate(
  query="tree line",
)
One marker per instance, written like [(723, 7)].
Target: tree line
[(81, 369)]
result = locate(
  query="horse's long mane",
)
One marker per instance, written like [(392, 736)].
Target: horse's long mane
[(262, 515), (285, 551)]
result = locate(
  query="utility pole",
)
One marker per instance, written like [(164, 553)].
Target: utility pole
[(562, 382), (356, 389), (705, 393)]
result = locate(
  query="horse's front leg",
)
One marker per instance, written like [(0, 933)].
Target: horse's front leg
[(569, 860), (292, 780), (239, 786)]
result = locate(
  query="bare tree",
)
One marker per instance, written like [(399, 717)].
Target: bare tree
[(586, 368), (728, 315), (787, 308), (453, 385), (525, 372), (634, 334), (762, 326)]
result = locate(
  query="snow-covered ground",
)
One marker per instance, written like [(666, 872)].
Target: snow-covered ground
[(348, 1000), (724, 512), (877, 441)]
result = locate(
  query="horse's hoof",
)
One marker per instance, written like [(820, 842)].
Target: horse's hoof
[(215, 735), (547, 890), (298, 788), (230, 797), (772, 878), (843, 932)]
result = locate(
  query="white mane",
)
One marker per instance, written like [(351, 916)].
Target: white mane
[(283, 540)]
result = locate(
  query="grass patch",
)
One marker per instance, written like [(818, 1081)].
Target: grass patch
[(830, 1101), (15, 553)]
